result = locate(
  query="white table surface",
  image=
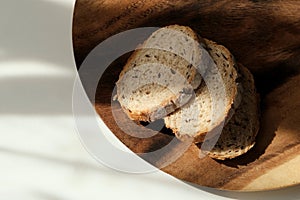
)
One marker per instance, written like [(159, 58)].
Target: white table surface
[(41, 156)]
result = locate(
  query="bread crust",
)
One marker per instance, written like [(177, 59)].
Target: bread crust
[(235, 99), (231, 143)]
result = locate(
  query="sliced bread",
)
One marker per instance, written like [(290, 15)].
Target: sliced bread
[(161, 74), (238, 136), (216, 98)]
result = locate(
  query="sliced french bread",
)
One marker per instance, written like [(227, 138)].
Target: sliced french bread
[(161, 74), (216, 98), (238, 136)]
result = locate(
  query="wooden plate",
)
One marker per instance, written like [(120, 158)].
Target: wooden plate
[(265, 41)]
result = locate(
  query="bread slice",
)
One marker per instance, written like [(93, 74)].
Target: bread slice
[(238, 136), (216, 99), (161, 74)]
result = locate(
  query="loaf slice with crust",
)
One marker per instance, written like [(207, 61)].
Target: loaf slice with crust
[(161, 74), (216, 98), (238, 136)]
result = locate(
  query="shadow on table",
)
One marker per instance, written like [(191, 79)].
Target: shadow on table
[(32, 34)]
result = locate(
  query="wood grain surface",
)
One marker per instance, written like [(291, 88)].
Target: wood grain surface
[(265, 30), (263, 35)]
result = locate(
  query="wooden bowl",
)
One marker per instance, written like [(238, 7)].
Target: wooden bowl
[(262, 35)]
